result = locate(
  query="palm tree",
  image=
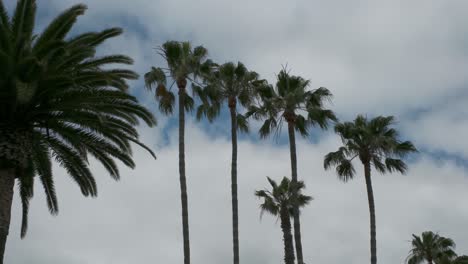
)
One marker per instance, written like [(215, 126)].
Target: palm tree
[(376, 144), (432, 248), (59, 101), (184, 64), (282, 201), (290, 100), (232, 83)]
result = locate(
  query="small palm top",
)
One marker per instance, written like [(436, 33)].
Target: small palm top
[(285, 195), (432, 248), (374, 142), (291, 100), (283, 201)]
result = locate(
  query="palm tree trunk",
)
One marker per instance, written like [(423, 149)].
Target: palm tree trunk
[(235, 212), (287, 236), (7, 182), (183, 180), (297, 223), (370, 196)]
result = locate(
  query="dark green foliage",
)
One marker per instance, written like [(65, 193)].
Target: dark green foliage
[(228, 83), (372, 141), (433, 248), (286, 194), (64, 101), (184, 63), (291, 100)]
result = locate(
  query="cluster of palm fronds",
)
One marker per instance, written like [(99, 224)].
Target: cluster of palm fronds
[(434, 249)]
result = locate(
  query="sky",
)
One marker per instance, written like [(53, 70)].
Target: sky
[(403, 58)]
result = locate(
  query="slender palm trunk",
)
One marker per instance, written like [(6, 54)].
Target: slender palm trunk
[(183, 180), (235, 212), (287, 236), (370, 196), (429, 261), (297, 223), (7, 182)]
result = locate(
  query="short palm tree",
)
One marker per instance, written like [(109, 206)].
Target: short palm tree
[(376, 144), (291, 101), (282, 201), (432, 248), (229, 83), (184, 64), (59, 101)]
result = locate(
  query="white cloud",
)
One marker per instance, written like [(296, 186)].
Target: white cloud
[(442, 128), (388, 57)]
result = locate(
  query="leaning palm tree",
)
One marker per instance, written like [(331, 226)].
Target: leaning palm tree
[(282, 201), (376, 144), (291, 101), (232, 83), (432, 248), (184, 64), (58, 101)]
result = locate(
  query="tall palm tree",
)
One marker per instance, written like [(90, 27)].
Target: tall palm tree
[(59, 101), (183, 64), (376, 144), (432, 248), (291, 101), (231, 83), (282, 201)]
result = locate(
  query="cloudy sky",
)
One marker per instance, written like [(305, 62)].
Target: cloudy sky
[(403, 58)]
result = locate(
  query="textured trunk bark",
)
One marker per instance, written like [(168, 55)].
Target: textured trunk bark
[(287, 236), (370, 197), (235, 212), (297, 223), (7, 182), (183, 179)]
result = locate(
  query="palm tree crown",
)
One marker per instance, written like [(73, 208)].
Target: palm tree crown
[(291, 100), (229, 83), (432, 248), (287, 194), (372, 141), (60, 101), (183, 63)]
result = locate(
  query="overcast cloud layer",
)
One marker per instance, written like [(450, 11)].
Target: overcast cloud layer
[(405, 58)]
